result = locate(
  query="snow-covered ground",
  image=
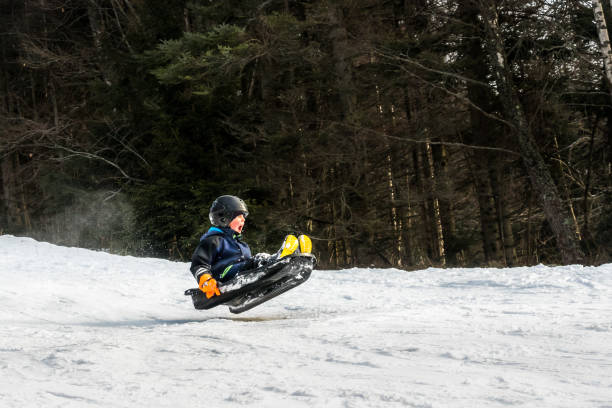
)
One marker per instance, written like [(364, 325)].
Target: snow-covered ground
[(80, 328)]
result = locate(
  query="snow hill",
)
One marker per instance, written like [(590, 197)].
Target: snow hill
[(80, 328)]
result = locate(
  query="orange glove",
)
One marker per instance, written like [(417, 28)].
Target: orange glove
[(209, 286)]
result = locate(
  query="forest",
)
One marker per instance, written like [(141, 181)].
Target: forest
[(395, 133)]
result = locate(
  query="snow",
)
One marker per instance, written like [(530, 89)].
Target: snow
[(80, 328)]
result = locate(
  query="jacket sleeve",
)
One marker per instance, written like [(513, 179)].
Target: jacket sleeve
[(204, 256)]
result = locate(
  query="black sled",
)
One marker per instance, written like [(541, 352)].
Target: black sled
[(257, 286)]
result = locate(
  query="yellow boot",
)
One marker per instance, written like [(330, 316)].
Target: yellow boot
[(289, 246), (305, 244)]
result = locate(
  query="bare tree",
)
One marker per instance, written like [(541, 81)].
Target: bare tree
[(556, 212)]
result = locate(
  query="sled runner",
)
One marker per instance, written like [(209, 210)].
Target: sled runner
[(257, 286)]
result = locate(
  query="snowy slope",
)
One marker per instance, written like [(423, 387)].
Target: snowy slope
[(81, 329)]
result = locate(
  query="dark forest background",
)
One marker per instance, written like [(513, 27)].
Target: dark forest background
[(394, 133)]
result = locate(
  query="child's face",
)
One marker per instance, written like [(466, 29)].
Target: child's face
[(237, 223)]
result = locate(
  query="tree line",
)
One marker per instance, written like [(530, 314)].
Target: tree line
[(394, 133)]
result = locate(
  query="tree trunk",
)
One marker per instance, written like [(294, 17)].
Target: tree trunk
[(604, 38), (406, 196), (426, 219), (439, 232), (9, 201), (566, 192), (342, 64), (475, 61), (556, 213), (447, 216), (406, 219), (391, 184), (96, 25), (500, 194), (486, 209), (587, 187)]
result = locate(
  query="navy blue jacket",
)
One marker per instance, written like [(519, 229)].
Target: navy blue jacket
[(221, 253)]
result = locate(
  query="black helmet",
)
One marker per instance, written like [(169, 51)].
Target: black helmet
[(225, 208)]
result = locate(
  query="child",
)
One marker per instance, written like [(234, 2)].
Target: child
[(221, 254)]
